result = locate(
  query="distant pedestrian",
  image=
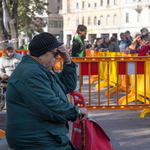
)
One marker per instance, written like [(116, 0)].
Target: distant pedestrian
[(88, 45), (105, 44), (79, 45), (124, 43), (144, 31), (98, 42)]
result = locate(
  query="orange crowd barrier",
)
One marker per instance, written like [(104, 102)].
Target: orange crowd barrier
[(90, 66), (2, 133)]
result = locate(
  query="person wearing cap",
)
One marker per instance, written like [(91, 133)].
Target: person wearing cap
[(144, 31), (9, 61), (38, 110)]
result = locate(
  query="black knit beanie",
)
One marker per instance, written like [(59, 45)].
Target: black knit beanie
[(42, 43)]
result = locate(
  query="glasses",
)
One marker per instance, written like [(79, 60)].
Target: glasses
[(55, 54)]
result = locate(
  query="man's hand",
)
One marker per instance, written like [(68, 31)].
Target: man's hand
[(5, 76), (83, 114), (64, 53)]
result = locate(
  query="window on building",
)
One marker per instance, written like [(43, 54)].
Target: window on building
[(115, 20), (89, 3), (68, 22), (115, 2), (82, 20), (58, 9), (101, 2), (127, 17), (138, 16), (55, 24), (77, 21), (108, 20), (95, 3), (77, 5), (89, 21), (101, 20), (107, 2), (83, 3), (95, 21)]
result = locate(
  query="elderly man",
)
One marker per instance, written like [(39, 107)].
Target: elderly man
[(9, 61)]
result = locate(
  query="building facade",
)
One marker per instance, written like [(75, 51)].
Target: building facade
[(102, 17), (135, 15), (55, 20)]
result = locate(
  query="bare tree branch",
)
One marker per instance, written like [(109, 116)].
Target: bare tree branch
[(7, 10)]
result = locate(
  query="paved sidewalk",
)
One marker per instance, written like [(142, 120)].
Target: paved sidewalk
[(127, 131)]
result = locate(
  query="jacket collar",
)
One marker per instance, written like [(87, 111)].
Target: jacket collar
[(29, 59)]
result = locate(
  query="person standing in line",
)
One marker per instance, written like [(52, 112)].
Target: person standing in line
[(144, 31), (79, 47), (104, 45), (88, 45), (99, 41)]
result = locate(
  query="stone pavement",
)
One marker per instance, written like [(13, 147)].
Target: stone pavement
[(127, 131), (125, 128)]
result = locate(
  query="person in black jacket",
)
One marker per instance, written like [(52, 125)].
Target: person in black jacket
[(105, 44), (79, 45)]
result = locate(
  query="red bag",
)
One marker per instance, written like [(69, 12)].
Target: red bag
[(95, 137)]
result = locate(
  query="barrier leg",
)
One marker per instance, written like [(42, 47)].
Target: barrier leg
[(140, 98), (94, 78), (111, 90), (130, 95), (145, 111), (102, 84), (2, 133), (114, 92)]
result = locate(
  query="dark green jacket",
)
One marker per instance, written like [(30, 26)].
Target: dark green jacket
[(37, 107), (114, 47)]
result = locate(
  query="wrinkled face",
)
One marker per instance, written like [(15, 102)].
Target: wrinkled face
[(83, 34), (143, 42), (49, 58), (106, 40), (9, 51), (122, 37)]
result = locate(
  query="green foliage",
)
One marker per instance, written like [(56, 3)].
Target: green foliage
[(29, 12)]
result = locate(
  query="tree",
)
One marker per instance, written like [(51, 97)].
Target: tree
[(22, 17), (3, 32)]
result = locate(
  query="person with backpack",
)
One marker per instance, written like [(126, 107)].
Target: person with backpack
[(78, 44), (79, 47)]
